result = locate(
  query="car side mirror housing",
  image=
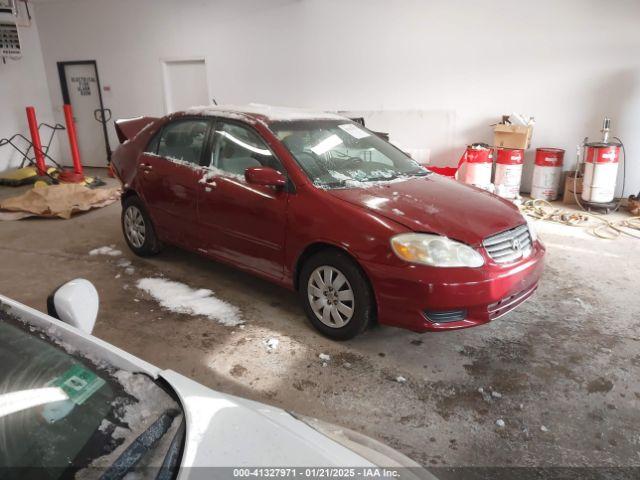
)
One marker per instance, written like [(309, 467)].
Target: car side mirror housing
[(76, 303), (265, 176)]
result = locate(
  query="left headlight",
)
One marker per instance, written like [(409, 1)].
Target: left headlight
[(435, 250)]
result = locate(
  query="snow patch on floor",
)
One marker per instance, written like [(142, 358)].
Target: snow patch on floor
[(180, 298), (110, 251), (271, 344), (123, 263)]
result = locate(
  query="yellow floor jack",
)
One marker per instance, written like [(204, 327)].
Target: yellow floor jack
[(27, 174), (33, 170)]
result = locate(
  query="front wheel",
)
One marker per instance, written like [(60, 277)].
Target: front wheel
[(336, 295), (138, 229)]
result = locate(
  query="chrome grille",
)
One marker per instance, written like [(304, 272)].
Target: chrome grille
[(509, 246)]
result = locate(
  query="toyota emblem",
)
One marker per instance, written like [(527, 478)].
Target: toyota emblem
[(515, 244)]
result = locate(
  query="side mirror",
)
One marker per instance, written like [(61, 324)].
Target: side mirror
[(76, 303), (265, 176)]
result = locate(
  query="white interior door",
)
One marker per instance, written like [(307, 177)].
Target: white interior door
[(82, 85), (185, 84)]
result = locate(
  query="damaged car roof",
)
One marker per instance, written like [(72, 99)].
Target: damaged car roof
[(263, 113)]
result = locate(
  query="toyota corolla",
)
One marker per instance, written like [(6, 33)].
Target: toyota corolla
[(317, 203)]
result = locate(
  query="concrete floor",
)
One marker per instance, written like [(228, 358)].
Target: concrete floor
[(568, 360)]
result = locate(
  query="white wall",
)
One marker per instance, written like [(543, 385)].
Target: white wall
[(23, 83), (462, 62)]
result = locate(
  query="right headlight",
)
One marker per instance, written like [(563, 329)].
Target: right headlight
[(372, 450), (435, 250)]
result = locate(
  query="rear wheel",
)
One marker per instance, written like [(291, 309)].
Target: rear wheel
[(138, 229), (336, 295)]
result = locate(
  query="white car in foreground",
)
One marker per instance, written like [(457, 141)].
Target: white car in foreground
[(72, 405)]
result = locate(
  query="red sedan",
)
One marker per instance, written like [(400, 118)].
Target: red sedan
[(321, 205)]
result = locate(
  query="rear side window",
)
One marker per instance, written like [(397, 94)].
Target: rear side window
[(152, 147), (183, 141)]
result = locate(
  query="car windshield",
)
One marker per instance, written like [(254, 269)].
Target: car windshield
[(61, 413), (338, 154)]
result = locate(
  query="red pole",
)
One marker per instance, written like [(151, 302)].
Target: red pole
[(35, 139), (73, 139)]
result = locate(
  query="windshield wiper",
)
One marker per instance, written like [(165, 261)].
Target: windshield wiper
[(381, 178), (140, 446), (418, 173), (336, 184), (173, 454)]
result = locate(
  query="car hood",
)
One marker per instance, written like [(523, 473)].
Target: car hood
[(223, 430), (436, 204)]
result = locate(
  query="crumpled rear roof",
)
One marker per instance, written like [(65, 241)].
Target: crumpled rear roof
[(264, 113)]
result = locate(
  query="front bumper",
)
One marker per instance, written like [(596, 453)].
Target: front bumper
[(406, 293)]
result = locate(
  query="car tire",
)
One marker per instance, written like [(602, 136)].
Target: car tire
[(138, 229), (336, 295)]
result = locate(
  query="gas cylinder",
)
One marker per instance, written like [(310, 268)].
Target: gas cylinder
[(479, 161), (508, 171), (547, 173), (600, 171)]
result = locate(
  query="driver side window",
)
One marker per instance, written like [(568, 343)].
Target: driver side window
[(237, 148)]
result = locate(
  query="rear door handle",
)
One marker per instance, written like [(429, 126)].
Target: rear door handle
[(145, 167)]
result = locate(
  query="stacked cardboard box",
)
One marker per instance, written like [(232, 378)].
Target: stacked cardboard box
[(572, 188), (512, 136)]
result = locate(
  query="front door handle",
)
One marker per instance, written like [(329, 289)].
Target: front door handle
[(145, 167), (209, 184)]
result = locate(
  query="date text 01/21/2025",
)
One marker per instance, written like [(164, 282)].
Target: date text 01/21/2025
[(316, 472)]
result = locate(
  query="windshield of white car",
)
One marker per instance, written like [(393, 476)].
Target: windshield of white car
[(338, 154), (62, 413)]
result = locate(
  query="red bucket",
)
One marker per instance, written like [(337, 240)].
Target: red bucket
[(445, 171), (547, 173), (477, 154), (549, 157), (510, 156), (602, 153), (508, 173)]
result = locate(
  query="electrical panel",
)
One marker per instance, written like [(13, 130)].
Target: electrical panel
[(9, 40)]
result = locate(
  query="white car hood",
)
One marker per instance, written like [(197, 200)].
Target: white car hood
[(227, 431)]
